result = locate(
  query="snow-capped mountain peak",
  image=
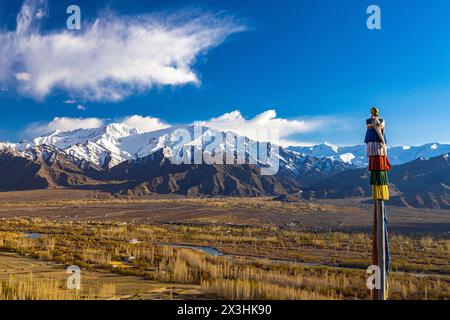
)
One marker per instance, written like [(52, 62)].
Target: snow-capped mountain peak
[(7, 145), (94, 145), (114, 143), (333, 147)]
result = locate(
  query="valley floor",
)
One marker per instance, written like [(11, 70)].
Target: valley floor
[(16, 268), (336, 215), (192, 248)]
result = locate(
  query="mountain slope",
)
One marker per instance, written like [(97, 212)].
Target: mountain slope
[(156, 174), (43, 167), (46, 167)]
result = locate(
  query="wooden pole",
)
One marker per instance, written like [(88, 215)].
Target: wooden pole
[(381, 248)]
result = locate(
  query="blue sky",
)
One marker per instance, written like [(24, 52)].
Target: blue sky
[(314, 62)]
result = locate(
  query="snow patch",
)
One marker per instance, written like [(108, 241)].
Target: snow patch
[(347, 157), (334, 147)]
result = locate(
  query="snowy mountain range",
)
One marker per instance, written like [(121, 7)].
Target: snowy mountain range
[(115, 143), (356, 155), (110, 154), (125, 162)]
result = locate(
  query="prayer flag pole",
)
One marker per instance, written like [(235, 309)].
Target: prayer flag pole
[(381, 248), (378, 167)]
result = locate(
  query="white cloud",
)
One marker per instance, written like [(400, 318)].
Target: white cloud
[(23, 76), (259, 126), (70, 101), (112, 57), (67, 124), (145, 124), (81, 107), (63, 124)]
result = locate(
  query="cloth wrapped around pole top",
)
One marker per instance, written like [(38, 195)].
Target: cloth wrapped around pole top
[(371, 134), (380, 192), (379, 163), (379, 178), (375, 149)]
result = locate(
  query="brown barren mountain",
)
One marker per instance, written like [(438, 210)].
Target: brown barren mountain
[(420, 183), (46, 167)]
